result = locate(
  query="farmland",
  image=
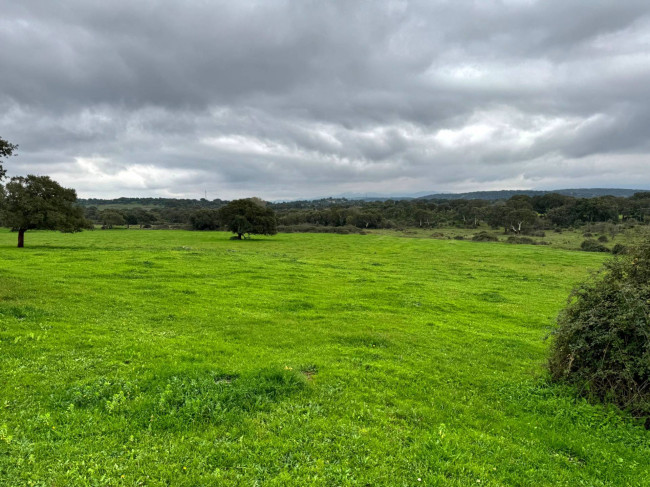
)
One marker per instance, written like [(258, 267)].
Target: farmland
[(183, 358)]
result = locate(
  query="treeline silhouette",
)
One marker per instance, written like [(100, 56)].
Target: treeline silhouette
[(519, 214)]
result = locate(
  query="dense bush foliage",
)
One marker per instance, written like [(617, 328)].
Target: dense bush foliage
[(485, 237), (593, 246), (602, 342), (205, 219), (520, 240)]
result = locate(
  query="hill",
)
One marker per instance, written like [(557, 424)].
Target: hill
[(506, 194)]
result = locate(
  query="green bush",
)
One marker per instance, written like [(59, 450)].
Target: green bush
[(485, 237), (520, 240), (593, 246), (602, 341), (619, 249), (309, 228)]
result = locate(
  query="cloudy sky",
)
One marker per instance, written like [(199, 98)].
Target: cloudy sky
[(307, 98)]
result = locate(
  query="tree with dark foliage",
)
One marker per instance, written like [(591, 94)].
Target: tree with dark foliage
[(205, 219), (6, 149), (39, 203), (248, 216), (110, 218)]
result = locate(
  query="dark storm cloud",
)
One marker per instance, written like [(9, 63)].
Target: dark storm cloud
[(306, 98)]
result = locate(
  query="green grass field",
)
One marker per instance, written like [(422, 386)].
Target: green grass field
[(186, 359)]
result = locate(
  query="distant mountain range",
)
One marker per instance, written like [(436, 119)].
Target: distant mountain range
[(340, 199), (506, 194), (494, 195)]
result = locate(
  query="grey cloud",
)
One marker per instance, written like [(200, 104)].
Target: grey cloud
[(296, 98)]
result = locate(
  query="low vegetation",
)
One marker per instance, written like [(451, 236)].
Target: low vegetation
[(602, 343)]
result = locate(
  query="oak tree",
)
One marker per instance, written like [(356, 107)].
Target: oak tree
[(248, 216), (6, 149), (39, 203)]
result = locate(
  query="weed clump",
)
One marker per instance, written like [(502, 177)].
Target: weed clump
[(602, 343)]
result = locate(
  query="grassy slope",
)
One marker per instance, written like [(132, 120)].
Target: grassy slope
[(183, 358)]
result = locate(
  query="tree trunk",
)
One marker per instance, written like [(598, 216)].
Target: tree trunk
[(21, 238), (239, 236)]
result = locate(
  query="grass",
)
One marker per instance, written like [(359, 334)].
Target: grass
[(568, 239), (186, 359)]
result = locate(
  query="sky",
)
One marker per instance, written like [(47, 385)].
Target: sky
[(294, 99)]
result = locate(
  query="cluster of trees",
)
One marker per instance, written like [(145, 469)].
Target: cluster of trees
[(520, 214), (162, 202), (243, 217)]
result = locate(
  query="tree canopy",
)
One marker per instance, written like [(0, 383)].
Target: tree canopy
[(39, 203), (6, 149), (111, 217), (205, 219), (248, 216)]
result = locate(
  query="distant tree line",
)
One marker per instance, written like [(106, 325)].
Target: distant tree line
[(164, 202), (37, 202), (520, 214)]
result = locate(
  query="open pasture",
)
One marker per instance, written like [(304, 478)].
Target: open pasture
[(183, 358)]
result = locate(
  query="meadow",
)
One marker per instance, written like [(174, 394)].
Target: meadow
[(135, 357)]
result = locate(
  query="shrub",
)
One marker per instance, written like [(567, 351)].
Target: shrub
[(308, 228), (601, 342), (593, 246), (603, 239), (619, 249), (520, 240), (485, 237)]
